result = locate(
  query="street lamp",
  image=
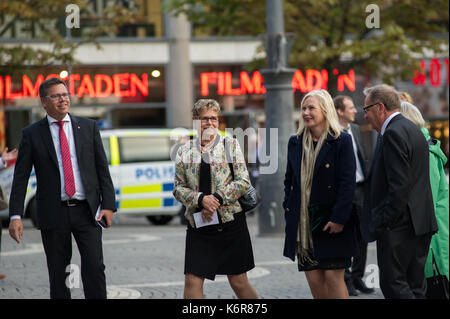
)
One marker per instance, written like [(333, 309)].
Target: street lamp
[(279, 108)]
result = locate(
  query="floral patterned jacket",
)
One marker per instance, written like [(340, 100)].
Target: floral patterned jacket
[(187, 172)]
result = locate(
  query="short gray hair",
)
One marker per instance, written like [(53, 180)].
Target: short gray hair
[(385, 94), (412, 113), (205, 104)]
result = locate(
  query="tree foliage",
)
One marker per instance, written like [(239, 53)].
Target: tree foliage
[(333, 33), (48, 17)]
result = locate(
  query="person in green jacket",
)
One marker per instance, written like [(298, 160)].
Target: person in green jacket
[(439, 188)]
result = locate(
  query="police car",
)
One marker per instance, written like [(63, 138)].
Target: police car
[(141, 169)]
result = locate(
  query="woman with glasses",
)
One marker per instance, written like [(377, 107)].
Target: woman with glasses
[(217, 237), (319, 190)]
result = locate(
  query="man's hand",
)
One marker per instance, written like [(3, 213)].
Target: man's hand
[(211, 203), (333, 227), (9, 156), (109, 214), (16, 229)]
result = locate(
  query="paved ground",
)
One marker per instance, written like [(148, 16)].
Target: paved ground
[(146, 261)]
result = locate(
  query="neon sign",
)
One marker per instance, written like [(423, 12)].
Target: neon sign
[(305, 82), (434, 68), (103, 85)]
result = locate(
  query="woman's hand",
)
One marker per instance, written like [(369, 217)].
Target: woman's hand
[(211, 203), (207, 215), (333, 227)]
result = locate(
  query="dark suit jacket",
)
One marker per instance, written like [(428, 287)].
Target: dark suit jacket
[(37, 149), (362, 156), (399, 190), (333, 181)]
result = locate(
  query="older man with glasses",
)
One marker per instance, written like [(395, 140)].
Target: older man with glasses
[(398, 210)]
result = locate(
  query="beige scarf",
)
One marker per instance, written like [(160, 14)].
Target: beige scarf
[(305, 248)]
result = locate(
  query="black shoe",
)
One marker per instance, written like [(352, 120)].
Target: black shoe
[(351, 288), (361, 286)]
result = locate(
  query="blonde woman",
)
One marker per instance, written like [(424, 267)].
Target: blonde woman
[(204, 184), (319, 191)]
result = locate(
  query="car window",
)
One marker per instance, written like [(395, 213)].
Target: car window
[(105, 141), (136, 149)]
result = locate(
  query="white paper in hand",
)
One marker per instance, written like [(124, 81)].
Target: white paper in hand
[(98, 214), (200, 223)]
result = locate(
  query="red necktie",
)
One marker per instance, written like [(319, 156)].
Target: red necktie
[(69, 181)]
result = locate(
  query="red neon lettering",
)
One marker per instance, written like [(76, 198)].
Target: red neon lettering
[(1, 87), (28, 88), (72, 79), (446, 62), (228, 85), (324, 79), (86, 85), (419, 76), (312, 75), (298, 82), (252, 86), (221, 83), (119, 80), (205, 80), (346, 79), (99, 80), (435, 72), (9, 95), (141, 85)]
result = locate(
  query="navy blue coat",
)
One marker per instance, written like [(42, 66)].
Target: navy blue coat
[(334, 180)]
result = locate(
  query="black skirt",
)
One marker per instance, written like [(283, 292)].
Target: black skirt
[(327, 264), (223, 249)]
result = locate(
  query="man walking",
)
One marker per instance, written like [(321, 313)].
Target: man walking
[(346, 111), (400, 213), (73, 180)]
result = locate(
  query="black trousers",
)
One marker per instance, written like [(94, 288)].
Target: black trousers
[(401, 259), (359, 262), (76, 221)]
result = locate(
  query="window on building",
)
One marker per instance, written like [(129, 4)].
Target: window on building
[(138, 149)]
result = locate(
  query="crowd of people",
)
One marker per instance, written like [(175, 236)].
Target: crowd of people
[(336, 198)]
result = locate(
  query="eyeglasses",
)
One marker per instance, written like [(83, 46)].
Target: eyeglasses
[(65, 96), (365, 108), (206, 119)]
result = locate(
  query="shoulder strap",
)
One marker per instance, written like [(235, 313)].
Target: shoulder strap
[(228, 157), (435, 267)]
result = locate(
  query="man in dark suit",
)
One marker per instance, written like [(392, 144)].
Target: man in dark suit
[(400, 214), (73, 182), (346, 111)]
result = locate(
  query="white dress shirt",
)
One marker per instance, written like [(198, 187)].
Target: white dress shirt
[(54, 130), (385, 124), (359, 171)]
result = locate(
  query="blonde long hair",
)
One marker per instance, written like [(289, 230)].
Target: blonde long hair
[(412, 113), (328, 109)]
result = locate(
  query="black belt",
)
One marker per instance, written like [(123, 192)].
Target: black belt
[(73, 202)]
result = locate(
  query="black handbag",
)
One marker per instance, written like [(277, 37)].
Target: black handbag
[(319, 216), (437, 286), (251, 199)]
